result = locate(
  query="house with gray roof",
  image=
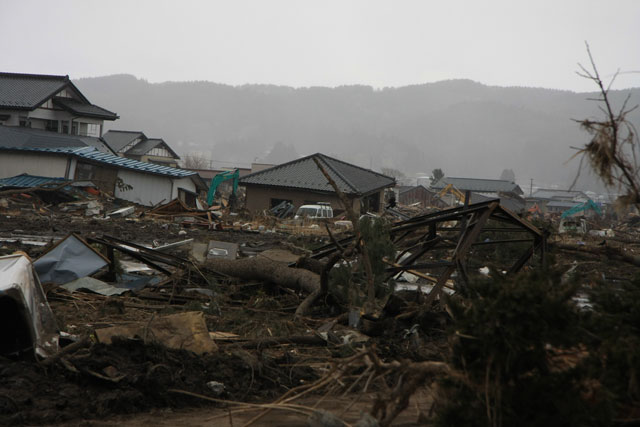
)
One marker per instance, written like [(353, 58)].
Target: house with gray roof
[(51, 103), (553, 200), (548, 194), (300, 182), (136, 145)]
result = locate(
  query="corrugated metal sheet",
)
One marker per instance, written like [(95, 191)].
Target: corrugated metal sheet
[(90, 153), (26, 181), (304, 174)]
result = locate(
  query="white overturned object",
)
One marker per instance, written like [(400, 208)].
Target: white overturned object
[(122, 212), (28, 319)]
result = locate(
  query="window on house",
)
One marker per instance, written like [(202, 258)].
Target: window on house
[(82, 129), (160, 152), (84, 171), (93, 130), (51, 125), (276, 202)]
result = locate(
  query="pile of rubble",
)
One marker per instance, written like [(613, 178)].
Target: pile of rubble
[(174, 306)]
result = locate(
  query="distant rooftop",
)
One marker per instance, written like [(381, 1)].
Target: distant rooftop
[(548, 193), (479, 185), (118, 139), (304, 174), (144, 147)]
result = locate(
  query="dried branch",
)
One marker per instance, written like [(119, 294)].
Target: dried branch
[(366, 261), (612, 149)]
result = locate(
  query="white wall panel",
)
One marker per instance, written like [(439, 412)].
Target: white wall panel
[(12, 164), (147, 189), (186, 183)]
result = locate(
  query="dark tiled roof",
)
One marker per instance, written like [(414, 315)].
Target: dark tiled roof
[(118, 139), (97, 143), (304, 174), (142, 148), (27, 91), (479, 185), (84, 110), (15, 137)]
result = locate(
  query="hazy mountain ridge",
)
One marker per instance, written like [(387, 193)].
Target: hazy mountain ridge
[(461, 126)]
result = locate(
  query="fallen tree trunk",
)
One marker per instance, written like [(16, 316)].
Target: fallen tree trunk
[(270, 271), (257, 268), (609, 251)]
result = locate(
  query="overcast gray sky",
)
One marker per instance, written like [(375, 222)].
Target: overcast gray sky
[(324, 43)]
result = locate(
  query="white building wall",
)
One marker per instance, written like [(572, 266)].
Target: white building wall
[(12, 164), (147, 189), (14, 120), (186, 183), (49, 114)]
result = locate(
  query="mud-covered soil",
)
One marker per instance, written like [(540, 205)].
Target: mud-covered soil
[(128, 377), (33, 394)]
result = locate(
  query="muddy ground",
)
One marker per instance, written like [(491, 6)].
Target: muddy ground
[(115, 381)]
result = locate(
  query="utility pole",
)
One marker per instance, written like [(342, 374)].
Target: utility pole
[(531, 188)]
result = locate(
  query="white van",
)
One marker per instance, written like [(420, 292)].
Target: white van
[(317, 211)]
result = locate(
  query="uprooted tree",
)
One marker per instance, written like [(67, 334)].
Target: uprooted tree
[(612, 150)]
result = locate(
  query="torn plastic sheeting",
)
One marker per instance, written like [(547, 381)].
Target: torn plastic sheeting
[(70, 259), (27, 318), (94, 285)]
